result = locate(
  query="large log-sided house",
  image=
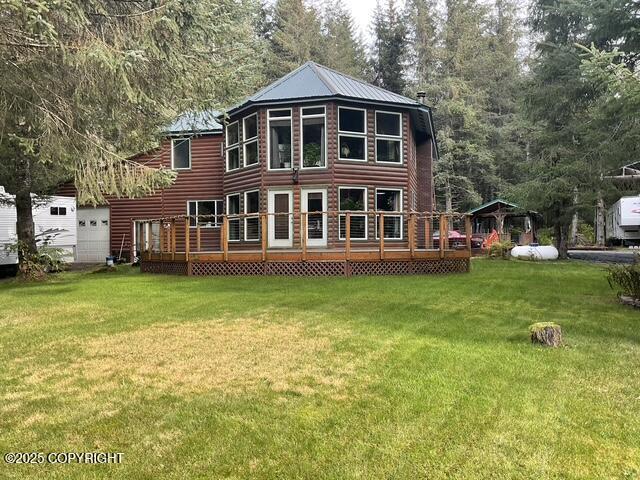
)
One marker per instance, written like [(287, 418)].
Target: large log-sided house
[(309, 169)]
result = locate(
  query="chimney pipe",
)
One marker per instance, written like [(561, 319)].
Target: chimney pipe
[(421, 97)]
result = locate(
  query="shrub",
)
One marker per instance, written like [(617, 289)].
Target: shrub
[(545, 236), (500, 250), (625, 279)]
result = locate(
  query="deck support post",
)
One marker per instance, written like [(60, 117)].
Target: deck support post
[(198, 239), (467, 231), (225, 238), (381, 233), (162, 232), (149, 227), (444, 235), (347, 244), (187, 238), (263, 232), (428, 244), (303, 235), (412, 234)]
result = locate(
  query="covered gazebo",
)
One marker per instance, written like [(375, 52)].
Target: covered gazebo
[(511, 222)]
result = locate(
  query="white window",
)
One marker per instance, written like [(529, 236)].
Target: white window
[(180, 154), (388, 137), (313, 137), (353, 200), (233, 209), (58, 210), (280, 145), (250, 139), (205, 213), (233, 146), (252, 219), (389, 200), (352, 134)]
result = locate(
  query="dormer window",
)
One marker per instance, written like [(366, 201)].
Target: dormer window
[(280, 145), (388, 137), (352, 134), (233, 146), (180, 154)]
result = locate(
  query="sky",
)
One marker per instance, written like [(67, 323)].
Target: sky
[(362, 11)]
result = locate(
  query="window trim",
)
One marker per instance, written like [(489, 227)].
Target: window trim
[(57, 209), (378, 136), (391, 214), (216, 215), (251, 215), (239, 195), (231, 147), (173, 140), (326, 143), (290, 118), (346, 133), (365, 213), (248, 141)]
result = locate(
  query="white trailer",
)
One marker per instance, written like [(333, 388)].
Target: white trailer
[(623, 221), (53, 217)]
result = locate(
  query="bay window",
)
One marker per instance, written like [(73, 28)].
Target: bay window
[(353, 200), (389, 200), (352, 134), (280, 148), (233, 146), (313, 137), (388, 137), (252, 222), (233, 208), (250, 139)]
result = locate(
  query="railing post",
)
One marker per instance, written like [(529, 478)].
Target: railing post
[(225, 238), (198, 238), (443, 234), (381, 236), (428, 244), (263, 225), (187, 237), (412, 234), (162, 235), (149, 226), (303, 234), (173, 239), (467, 231), (347, 227)]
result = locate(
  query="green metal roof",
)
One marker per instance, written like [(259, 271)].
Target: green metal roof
[(493, 202)]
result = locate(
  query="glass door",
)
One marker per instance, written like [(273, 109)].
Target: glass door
[(314, 202), (280, 208)]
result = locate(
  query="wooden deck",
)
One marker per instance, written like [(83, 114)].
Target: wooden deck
[(386, 257)]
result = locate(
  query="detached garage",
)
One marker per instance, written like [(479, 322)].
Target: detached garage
[(93, 234)]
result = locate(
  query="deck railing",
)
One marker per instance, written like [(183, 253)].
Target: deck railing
[(318, 235)]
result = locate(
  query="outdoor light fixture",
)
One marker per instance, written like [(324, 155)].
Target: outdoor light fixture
[(295, 175)]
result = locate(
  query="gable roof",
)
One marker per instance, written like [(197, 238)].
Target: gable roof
[(494, 203), (196, 122)]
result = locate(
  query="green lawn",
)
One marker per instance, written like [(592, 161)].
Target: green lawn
[(380, 377)]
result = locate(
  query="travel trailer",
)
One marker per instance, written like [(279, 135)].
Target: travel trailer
[(623, 222)]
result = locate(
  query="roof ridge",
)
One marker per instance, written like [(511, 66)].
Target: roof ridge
[(363, 82), (317, 68)]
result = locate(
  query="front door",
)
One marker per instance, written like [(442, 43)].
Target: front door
[(314, 202), (280, 208)]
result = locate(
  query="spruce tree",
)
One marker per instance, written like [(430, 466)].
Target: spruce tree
[(344, 49), (389, 48)]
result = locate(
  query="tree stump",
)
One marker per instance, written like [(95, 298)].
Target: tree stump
[(546, 333)]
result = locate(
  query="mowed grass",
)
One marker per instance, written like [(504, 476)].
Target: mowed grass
[(379, 377)]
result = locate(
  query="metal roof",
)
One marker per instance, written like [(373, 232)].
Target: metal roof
[(196, 122), (312, 80), (493, 202)]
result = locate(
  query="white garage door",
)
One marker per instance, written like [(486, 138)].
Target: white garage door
[(93, 234)]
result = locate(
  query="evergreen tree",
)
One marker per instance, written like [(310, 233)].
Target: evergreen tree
[(88, 83), (389, 48), (344, 50), (295, 38)]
